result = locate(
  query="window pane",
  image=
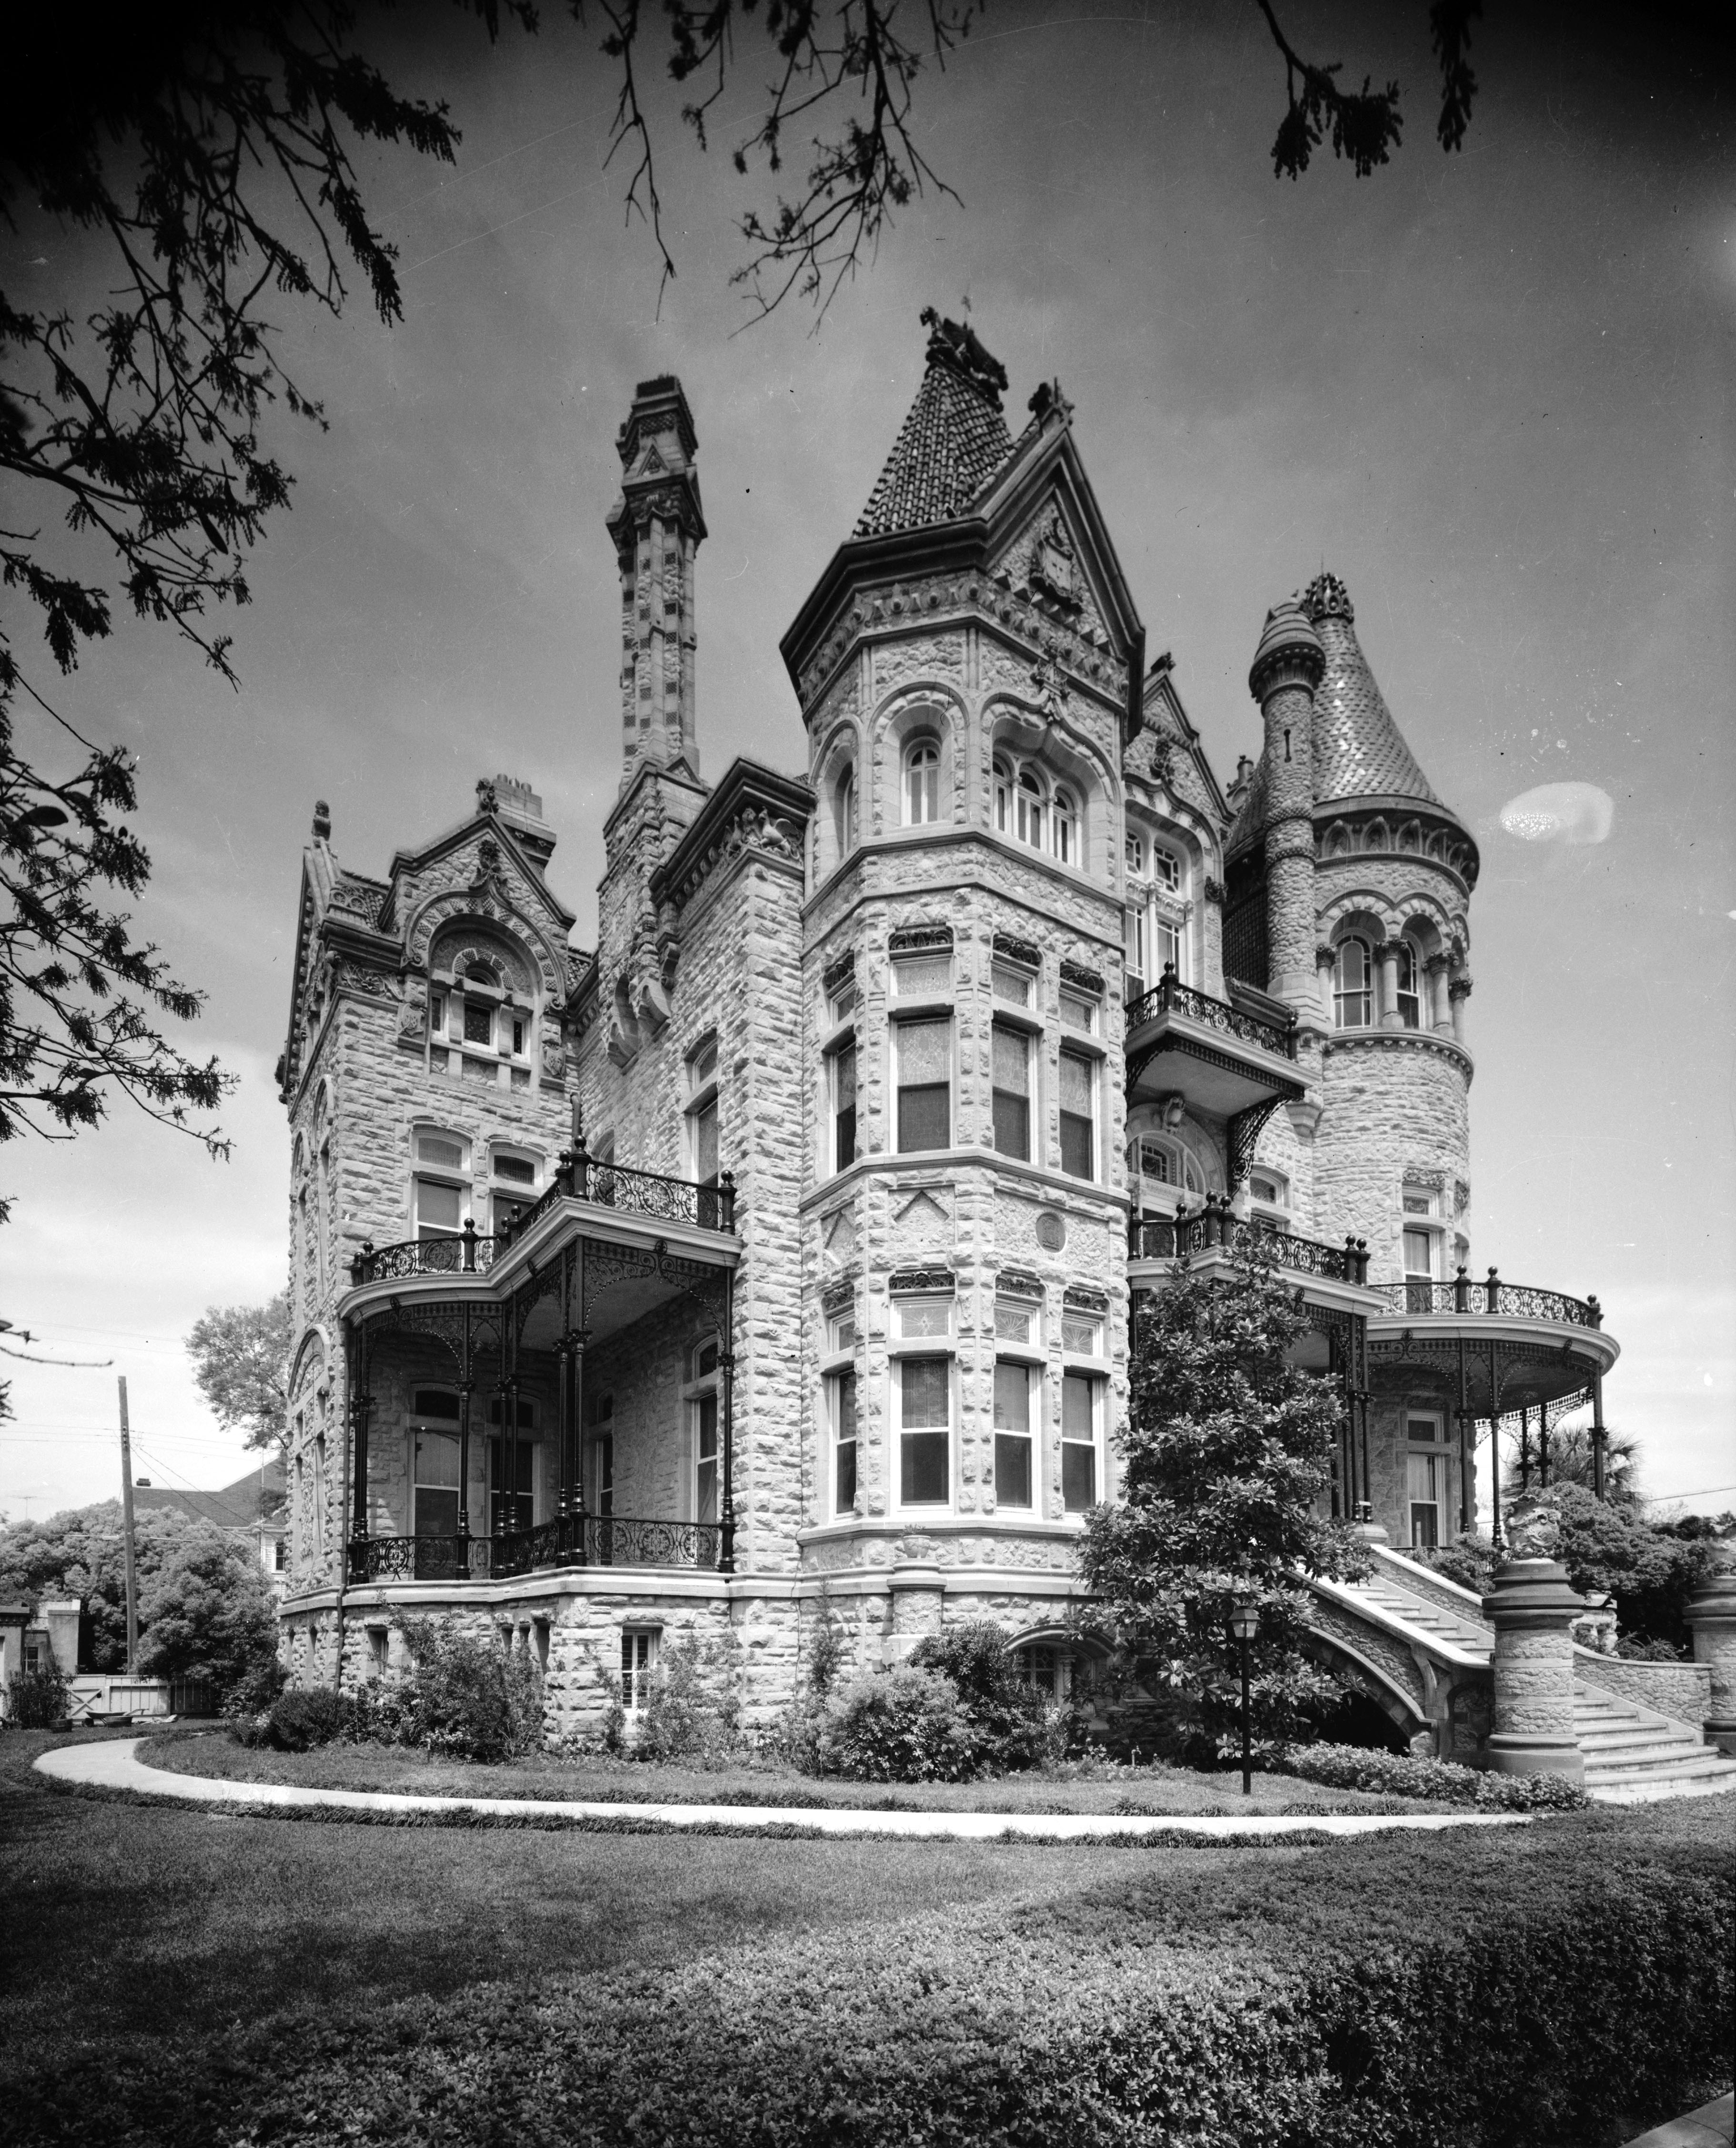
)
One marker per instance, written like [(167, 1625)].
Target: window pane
[(436, 1460), (478, 1023), (438, 1207), (1012, 1398), (844, 1078), (434, 1402), (1078, 1418), (436, 1148), (1418, 1253), (924, 1117), (1420, 1427), (1012, 1471), (1421, 1477), (1076, 1084), (1012, 1126), (923, 1049), (1078, 1013), (436, 1513), (844, 1389), (1012, 1323), (920, 975), (922, 1475), (515, 1168), (919, 1317), (1012, 1060), (704, 1144), (1078, 1477), (843, 1490), (926, 1387), (1082, 1336), (1013, 985), (1076, 1146)]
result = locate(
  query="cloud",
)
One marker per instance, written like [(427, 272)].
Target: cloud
[(1560, 813)]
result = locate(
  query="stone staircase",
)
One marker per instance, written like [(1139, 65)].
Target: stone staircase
[(1633, 1754)]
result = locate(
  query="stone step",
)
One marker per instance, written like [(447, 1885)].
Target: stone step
[(1709, 1766), (1614, 1746), (1650, 1761)]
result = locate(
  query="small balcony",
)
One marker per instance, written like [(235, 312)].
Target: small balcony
[(1226, 1062), (1215, 1230), (1494, 1348), (604, 1541)]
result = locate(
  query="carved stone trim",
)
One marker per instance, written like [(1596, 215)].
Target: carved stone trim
[(835, 973), (1077, 973), (837, 1295), (1085, 1298), (1018, 951), (1019, 1282), (1213, 890), (907, 939), (905, 1280)]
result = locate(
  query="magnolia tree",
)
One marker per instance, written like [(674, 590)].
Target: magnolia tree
[(1225, 1464)]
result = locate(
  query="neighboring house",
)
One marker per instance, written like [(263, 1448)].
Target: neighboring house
[(253, 1506), (786, 1242)]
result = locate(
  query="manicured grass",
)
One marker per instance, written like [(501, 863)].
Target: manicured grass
[(131, 1928), (1152, 1790)]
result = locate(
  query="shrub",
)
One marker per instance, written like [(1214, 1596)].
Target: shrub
[(691, 1712), (1405, 1775), (252, 1694), (462, 1697), (304, 1716), (38, 1699), (1646, 1652), (905, 1725), (1424, 1990), (1007, 1719)]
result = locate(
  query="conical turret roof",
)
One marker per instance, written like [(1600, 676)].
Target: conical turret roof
[(1359, 751), (951, 442)]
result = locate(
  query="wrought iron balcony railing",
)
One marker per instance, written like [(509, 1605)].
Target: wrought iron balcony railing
[(1181, 1236), (1169, 996), (1517, 1299), (572, 1540), (578, 1177)]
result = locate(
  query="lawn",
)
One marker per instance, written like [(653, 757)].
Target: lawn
[(1145, 1790), (129, 1927), (229, 1980)]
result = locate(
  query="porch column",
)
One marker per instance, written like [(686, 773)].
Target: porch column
[(464, 1472), (1712, 1615), (361, 1403), (1440, 1007), (1457, 992), (1494, 1436), (1532, 1610), (1599, 1438), (726, 1370), (1467, 1504), (1388, 953)]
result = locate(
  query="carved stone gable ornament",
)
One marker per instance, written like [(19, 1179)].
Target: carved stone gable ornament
[(1054, 565)]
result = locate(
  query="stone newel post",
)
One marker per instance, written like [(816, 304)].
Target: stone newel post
[(1712, 1614), (1532, 1611)]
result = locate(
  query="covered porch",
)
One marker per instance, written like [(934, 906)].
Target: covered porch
[(561, 1395)]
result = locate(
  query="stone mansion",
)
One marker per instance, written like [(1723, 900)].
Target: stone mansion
[(782, 1246)]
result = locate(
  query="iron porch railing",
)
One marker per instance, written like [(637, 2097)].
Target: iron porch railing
[(1169, 996), (1518, 1300), (571, 1540), (578, 1177), (1181, 1236)]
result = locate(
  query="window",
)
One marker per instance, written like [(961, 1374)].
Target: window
[(924, 1390), (702, 1116), (920, 1318), (279, 1555), (841, 1004), (1166, 869), (1066, 818), (437, 1014), (1081, 1399), (1012, 1434), (1029, 797), (512, 1472), (922, 976), (842, 1081), (1013, 1321), (1081, 1333), (600, 1413), (1271, 1193), (1353, 995), (1013, 986), (518, 1196), (847, 812), (1078, 1012), (440, 1185), (440, 1209), (702, 1399), (922, 783), (842, 1394), (518, 1036), (478, 1022), (1010, 1094), (1423, 1478), (1134, 850), (436, 1483), (1419, 1253), (1078, 1115), (922, 1051), (1040, 1668), (1410, 1005), (639, 1654)]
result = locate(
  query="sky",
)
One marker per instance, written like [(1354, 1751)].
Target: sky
[(1492, 391)]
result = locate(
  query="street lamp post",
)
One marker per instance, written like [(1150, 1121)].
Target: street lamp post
[(1244, 1624)]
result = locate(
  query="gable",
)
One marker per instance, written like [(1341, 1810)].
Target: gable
[(1047, 558)]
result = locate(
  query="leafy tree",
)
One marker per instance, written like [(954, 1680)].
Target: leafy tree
[(206, 1612), (241, 1361), (1613, 1550), (1225, 1457), (81, 1553), (1570, 1463)]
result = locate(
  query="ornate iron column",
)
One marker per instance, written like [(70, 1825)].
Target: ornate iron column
[(1599, 1438), (361, 1403), (1494, 1433), (466, 1381), (1466, 1512), (726, 1369)]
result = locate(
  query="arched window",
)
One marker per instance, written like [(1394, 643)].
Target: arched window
[(1003, 799), (1352, 994), (922, 783), (1066, 828), (1030, 803), (845, 812), (1410, 1003)]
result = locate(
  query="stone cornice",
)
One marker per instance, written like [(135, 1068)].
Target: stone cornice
[(752, 808)]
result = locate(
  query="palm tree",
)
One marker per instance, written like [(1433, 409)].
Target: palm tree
[(1564, 1457)]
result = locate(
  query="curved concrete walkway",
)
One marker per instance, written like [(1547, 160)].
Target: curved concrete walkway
[(115, 1765)]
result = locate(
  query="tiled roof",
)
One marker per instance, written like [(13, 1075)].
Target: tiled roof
[(1359, 751), (951, 442), (255, 1497)]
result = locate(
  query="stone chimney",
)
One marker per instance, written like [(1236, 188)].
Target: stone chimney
[(658, 527)]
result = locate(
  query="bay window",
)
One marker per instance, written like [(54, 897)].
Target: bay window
[(923, 1389)]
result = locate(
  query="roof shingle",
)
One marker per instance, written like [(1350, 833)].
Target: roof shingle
[(951, 442)]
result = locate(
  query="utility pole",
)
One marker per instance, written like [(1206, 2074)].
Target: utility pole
[(127, 1524)]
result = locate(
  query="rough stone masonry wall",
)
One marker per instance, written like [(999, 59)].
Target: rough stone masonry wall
[(1393, 1101)]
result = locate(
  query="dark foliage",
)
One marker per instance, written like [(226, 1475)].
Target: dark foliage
[(1404, 1775), (38, 1699)]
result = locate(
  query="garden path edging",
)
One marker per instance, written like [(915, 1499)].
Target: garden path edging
[(114, 1765)]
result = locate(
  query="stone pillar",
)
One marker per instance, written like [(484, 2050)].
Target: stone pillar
[(1287, 666), (1532, 1610), (1388, 954), (61, 1618), (1440, 1010), (1457, 992), (1712, 1615)]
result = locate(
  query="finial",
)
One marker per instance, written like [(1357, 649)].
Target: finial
[(957, 348), (1326, 597), (487, 798), (321, 822)]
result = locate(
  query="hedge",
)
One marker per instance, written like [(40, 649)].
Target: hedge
[(1567, 1983), (1405, 1775)]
